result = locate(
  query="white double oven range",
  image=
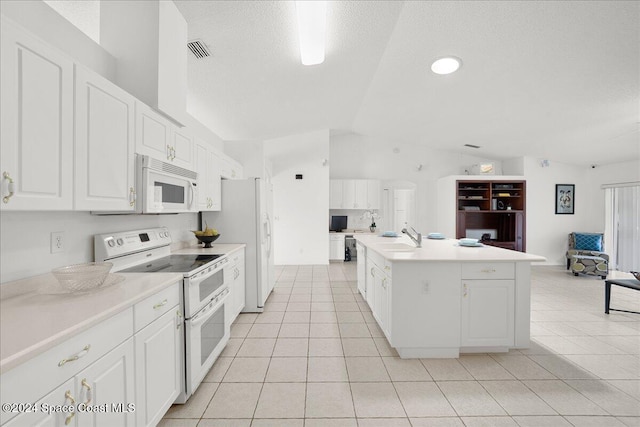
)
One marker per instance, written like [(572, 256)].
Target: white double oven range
[(202, 298)]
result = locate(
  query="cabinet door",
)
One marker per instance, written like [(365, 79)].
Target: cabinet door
[(370, 282), (153, 133), (336, 248), (158, 367), (203, 166), (36, 123), (361, 270), (215, 181), (62, 395), (373, 194), (360, 195), (109, 382), (104, 150), (348, 194), (488, 313), (335, 194), (182, 146)]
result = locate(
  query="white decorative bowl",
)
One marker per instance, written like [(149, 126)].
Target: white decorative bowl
[(82, 277)]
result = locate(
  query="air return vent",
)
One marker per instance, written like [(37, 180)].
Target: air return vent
[(471, 146), (199, 49)]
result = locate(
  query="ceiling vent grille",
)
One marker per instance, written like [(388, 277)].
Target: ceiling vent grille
[(471, 146), (199, 49)]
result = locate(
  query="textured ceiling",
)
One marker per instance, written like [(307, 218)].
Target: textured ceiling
[(556, 80)]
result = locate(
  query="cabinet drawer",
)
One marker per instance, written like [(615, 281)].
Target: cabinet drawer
[(35, 378), (488, 270), (150, 309), (377, 259), (336, 237), (234, 257)]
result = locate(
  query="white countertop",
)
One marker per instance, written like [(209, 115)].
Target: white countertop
[(35, 316), (442, 250), (215, 249)]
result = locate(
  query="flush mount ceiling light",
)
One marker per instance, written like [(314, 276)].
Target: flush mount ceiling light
[(312, 26), (446, 65)]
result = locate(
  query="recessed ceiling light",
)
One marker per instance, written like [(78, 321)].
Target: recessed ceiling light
[(446, 65)]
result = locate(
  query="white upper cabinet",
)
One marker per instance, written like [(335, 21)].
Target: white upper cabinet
[(373, 194), (104, 145), (354, 194), (36, 154), (182, 146), (230, 168), (158, 138), (153, 133), (208, 177), (335, 194)]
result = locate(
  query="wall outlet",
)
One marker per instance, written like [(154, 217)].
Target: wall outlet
[(57, 241)]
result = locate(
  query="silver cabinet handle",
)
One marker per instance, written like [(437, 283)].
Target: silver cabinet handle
[(86, 385), (160, 304), (488, 270), (69, 397), (384, 283), (76, 356), (372, 273), (465, 290), (11, 187), (168, 152)]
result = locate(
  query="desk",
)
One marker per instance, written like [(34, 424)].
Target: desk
[(625, 283)]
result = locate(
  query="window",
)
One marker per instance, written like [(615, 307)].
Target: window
[(623, 226)]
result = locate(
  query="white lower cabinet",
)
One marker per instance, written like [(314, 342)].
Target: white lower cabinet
[(336, 247), (379, 291), (100, 395), (361, 269), (487, 313), (124, 371), (234, 275), (105, 390), (158, 367)]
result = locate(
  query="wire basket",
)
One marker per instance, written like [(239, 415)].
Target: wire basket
[(82, 277)]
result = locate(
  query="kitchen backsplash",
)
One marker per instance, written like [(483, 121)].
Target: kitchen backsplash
[(26, 236)]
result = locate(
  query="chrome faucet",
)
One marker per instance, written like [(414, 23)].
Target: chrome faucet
[(417, 240)]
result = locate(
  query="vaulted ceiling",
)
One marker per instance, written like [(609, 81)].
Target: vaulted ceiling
[(550, 79)]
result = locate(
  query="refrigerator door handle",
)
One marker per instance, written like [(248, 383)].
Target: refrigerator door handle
[(268, 234)]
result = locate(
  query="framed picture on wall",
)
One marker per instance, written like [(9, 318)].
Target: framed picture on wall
[(565, 198)]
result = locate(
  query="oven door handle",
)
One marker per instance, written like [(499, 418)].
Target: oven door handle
[(209, 309)]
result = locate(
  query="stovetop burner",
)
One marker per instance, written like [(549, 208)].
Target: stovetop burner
[(173, 264)]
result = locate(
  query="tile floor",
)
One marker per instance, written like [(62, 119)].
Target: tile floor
[(316, 358)]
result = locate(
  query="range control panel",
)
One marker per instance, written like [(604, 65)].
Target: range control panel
[(127, 242)]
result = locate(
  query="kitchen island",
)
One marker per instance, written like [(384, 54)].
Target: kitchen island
[(444, 299)]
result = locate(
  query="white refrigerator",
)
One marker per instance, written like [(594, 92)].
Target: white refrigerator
[(247, 206)]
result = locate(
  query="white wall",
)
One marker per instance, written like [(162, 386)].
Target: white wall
[(358, 156), (546, 231), (25, 248), (250, 154), (300, 207)]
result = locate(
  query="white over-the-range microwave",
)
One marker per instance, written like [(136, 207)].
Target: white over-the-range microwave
[(162, 188)]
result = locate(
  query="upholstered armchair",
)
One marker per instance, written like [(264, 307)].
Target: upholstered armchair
[(586, 254)]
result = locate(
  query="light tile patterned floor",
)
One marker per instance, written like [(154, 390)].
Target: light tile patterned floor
[(316, 358)]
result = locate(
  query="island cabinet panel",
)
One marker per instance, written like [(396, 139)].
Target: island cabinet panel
[(487, 313), (425, 309)]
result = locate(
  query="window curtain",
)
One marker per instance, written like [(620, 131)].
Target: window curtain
[(624, 223)]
